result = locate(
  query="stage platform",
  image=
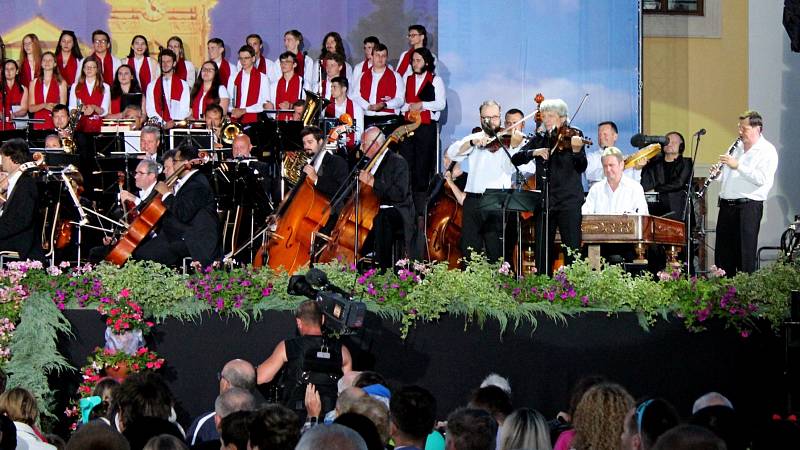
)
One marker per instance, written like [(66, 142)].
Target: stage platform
[(450, 358)]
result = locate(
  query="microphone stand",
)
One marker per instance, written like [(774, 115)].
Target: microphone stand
[(687, 216)]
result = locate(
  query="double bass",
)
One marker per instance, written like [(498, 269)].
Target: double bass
[(299, 216), (343, 242), (443, 230)]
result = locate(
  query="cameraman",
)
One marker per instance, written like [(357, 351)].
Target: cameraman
[(309, 359)]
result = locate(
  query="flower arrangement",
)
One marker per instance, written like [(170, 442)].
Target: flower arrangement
[(123, 314), (7, 328)]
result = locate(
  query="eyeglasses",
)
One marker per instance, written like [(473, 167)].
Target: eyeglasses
[(490, 117), (245, 58), (413, 34), (140, 173), (640, 414), (101, 41)]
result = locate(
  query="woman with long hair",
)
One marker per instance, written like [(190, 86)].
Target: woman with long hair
[(599, 419), (332, 43), (46, 91), (68, 56), (524, 428), (30, 57), (125, 84), (184, 69), (16, 99), (207, 90), (144, 67), (92, 93)]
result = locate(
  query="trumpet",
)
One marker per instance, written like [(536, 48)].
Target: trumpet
[(716, 170), (229, 130)]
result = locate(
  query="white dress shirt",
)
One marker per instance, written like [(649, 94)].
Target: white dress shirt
[(395, 103), (487, 170), (143, 194), (12, 182), (222, 92), (155, 71), (263, 91), (358, 116), (191, 72), (273, 71), (308, 72), (178, 109), (627, 198), (409, 69), (105, 104), (438, 104), (756, 172)]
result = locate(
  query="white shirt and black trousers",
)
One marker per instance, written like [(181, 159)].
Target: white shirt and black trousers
[(741, 204)]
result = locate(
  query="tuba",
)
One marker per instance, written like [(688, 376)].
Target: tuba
[(314, 106)]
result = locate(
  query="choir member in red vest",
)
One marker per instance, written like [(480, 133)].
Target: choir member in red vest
[(264, 65), (208, 90), (92, 93), (184, 69), (68, 57), (343, 104), (144, 68), (124, 92), (15, 100), (417, 38), (380, 90), (333, 65), (293, 42), (29, 59), (101, 43), (369, 44), (289, 87), (167, 97), (424, 93), (46, 91), (249, 89), (216, 53), (332, 43)]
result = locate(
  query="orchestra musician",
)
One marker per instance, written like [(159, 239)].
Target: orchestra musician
[(417, 38), (668, 174), (207, 90), (134, 112), (299, 107), (189, 227), (329, 170), (68, 56), (145, 178), (332, 44), (213, 117), (748, 172), (149, 142), (108, 63), (481, 231), (16, 95), (262, 64), (389, 179), (369, 44), (288, 89), (144, 68), (249, 89), (342, 104), (216, 53), (424, 93), (515, 116), (52, 141), (46, 91), (167, 97), (184, 69), (565, 159), (617, 194), (293, 43), (30, 58), (19, 212), (380, 90), (125, 91)]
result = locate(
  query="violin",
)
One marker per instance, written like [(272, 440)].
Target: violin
[(564, 137), (506, 139)]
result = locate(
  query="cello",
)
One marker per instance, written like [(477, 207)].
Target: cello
[(351, 229), (144, 223), (299, 216), (443, 230)]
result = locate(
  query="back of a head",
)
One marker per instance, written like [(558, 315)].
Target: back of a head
[(600, 416), (8, 434), (711, 399), (331, 437), (139, 432), (689, 437), (581, 386), (143, 394), (240, 373), (725, 423), (165, 442), (653, 417), (348, 397), (274, 427), (233, 429), (524, 428), (19, 405), (376, 411), (97, 436), (413, 411), (365, 428), (492, 399), (309, 312), (233, 400), (471, 429), (494, 379), (368, 378)]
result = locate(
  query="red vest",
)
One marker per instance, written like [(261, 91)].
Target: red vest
[(26, 75), (108, 68), (68, 71), (13, 98), (287, 92), (387, 87), (200, 102), (253, 89), (262, 64), (52, 96), (403, 64), (412, 96), (180, 71), (330, 111), (300, 68), (366, 66), (224, 72), (144, 72), (161, 102), (91, 124)]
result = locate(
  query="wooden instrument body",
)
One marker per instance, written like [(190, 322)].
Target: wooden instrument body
[(343, 237), (444, 228), (137, 231)]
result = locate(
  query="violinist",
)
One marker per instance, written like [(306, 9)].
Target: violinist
[(389, 179), (561, 148), (189, 227), (145, 178), (482, 230), (20, 203), (329, 169), (149, 141)]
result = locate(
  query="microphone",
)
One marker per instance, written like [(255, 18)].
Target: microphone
[(316, 277), (640, 140), (702, 132)]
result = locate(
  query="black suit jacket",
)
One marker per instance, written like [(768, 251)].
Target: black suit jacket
[(332, 174), (391, 186), (192, 216), (19, 224)]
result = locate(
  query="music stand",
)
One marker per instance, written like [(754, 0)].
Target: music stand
[(199, 138), (55, 157), (516, 200)]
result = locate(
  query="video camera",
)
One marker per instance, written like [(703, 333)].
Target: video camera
[(342, 313)]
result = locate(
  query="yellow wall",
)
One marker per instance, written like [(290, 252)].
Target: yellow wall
[(693, 83)]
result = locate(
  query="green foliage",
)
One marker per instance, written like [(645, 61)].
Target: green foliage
[(157, 288), (769, 288)]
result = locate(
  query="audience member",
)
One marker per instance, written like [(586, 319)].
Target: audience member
[(20, 406), (524, 428), (139, 432), (97, 436), (646, 422), (494, 379), (471, 429), (563, 420), (689, 437), (376, 411), (165, 442), (492, 399), (273, 427), (142, 394), (598, 419), (8, 434), (365, 428), (711, 399), (725, 423), (331, 437), (233, 432), (413, 416)]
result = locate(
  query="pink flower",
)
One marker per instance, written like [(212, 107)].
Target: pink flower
[(125, 293)]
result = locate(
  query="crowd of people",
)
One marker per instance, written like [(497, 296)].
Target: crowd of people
[(325, 404)]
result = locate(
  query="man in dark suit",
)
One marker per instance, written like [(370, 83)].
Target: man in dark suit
[(190, 225), (389, 181), (19, 213), (329, 170)]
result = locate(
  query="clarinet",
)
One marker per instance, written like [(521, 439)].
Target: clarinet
[(716, 170)]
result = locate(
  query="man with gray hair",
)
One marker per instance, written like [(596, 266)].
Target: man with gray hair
[(237, 377), (145, 178), (331, 437), (149, 141), (617, 194)]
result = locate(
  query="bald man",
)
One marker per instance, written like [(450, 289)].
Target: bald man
[(242, 147)]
